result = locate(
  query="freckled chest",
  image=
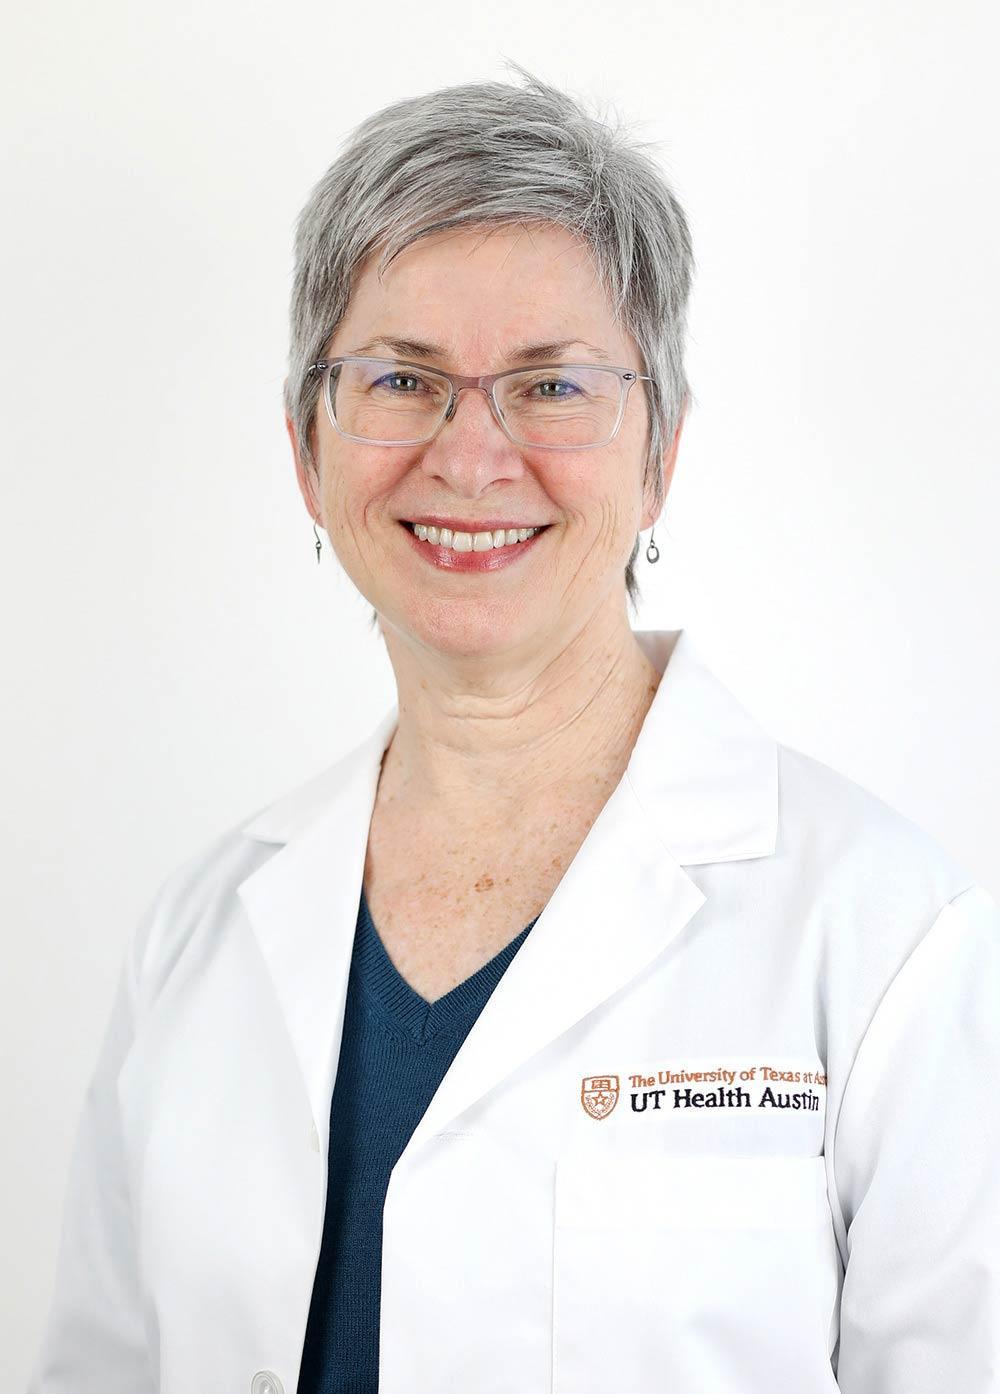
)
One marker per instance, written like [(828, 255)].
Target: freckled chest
[(446, 899)]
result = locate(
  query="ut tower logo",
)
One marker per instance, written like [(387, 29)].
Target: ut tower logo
[(599, 1094)]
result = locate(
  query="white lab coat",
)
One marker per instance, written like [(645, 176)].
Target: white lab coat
[(728, 1124)]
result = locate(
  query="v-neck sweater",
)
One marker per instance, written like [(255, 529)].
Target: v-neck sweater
[(395, 1049)]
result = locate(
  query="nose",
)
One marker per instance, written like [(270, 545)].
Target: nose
[(471, 449)]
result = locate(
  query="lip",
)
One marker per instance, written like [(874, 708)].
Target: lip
[(434, 520), (446, 559)]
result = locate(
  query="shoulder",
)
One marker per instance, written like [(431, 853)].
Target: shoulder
[(197, 904), (871, 880), (191, 904), (872, 898), (853, 833)]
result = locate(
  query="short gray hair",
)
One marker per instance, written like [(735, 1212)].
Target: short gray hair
[(488, 154)]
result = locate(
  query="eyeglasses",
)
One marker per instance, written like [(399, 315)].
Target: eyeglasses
[(382, 401)]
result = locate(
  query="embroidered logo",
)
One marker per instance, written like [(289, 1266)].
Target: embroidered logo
[(744, 1084), (599, 1094), (793, 1084)]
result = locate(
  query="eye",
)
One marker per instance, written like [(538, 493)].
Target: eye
[(399, 382), (553, 389)]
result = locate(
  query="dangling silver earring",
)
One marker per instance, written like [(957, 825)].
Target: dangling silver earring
[(652, 551), (319, 545)]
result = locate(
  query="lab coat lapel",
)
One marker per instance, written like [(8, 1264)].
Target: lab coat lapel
[(303, 906), (701, 786)]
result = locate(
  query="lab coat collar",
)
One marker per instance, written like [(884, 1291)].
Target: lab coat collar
[(701, 786)]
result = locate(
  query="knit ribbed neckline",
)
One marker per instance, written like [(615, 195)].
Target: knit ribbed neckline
[(413, 1014)]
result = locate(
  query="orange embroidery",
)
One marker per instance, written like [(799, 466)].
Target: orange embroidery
[(599, 1094)]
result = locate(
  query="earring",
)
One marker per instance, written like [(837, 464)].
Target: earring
[(652, 551), (319, 545)]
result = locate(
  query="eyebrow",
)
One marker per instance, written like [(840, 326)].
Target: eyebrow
[(522, 353)]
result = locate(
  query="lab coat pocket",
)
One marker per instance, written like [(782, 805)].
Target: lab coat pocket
[(714, 1273)]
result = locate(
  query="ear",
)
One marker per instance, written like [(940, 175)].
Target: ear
[(307, 481), (651, 511)]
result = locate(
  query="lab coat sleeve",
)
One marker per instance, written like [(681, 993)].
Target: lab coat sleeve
[(917, 1166), (94, 1341)]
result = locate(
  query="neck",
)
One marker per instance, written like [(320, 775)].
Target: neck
[(483, 737)]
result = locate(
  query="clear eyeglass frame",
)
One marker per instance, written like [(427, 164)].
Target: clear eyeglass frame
[(486, 383)]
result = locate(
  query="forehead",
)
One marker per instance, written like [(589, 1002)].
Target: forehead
[(476, 292)]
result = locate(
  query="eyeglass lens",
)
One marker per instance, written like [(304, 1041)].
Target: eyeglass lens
[(385, 401)]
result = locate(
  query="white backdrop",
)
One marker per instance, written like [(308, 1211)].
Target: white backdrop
[(176, 658)]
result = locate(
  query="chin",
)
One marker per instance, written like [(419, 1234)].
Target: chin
[(461, 628)]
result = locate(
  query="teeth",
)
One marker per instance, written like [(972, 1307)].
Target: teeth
[(469, 541)]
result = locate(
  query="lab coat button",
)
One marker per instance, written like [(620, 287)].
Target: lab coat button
[(264, 1382)]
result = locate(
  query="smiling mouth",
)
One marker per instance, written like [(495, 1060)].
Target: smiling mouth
[(460, 541)]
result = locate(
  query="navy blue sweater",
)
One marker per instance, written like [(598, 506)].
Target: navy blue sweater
[(395, 1051)]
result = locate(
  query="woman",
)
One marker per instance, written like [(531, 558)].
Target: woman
[(570, 1034)]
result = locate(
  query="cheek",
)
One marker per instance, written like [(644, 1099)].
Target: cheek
[(357, 487), (602, 498)]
